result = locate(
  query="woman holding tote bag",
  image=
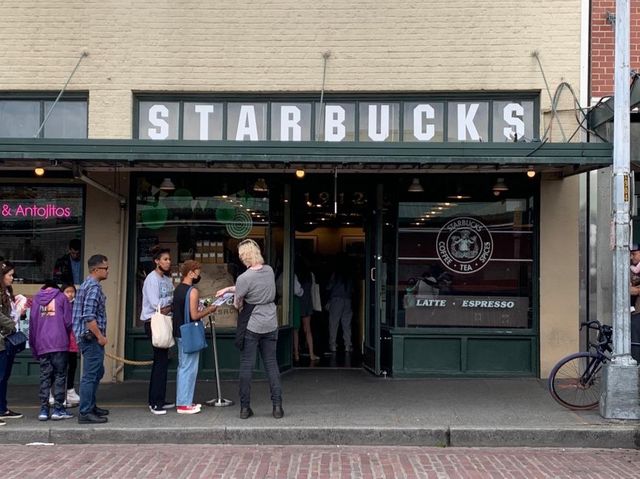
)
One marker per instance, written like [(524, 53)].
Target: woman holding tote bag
[(185, 298)]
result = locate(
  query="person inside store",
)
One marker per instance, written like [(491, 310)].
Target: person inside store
[(257, 330), (10, 312), (340, 290), (68, 268), (303, 309), (185, 295), (157, 291), (90, 329)]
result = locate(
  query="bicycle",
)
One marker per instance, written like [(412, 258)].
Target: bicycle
[(574, 381)]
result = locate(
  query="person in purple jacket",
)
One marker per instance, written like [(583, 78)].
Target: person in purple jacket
[(49, 328)]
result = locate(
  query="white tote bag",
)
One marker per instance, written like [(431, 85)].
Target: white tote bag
[(316, 301), (161, 330)]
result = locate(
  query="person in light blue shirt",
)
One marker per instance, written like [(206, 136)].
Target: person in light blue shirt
[(158, 291)]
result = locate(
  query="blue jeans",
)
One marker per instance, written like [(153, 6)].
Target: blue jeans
[(6, 364), (186, 375), (92, 372), (266, 343)]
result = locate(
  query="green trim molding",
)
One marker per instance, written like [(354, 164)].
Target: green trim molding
[(572, 157)]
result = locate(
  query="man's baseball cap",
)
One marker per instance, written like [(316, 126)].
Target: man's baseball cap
[(634, 247)]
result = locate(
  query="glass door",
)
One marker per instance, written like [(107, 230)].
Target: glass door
[(375, 282)]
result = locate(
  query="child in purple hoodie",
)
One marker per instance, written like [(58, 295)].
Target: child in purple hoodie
[(49, 327)]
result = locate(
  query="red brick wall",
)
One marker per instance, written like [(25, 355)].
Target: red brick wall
[(602, 45)]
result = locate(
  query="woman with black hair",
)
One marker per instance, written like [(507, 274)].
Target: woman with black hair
[(9, 315)]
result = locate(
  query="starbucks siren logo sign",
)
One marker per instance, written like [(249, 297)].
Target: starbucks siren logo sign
[(464, 245)]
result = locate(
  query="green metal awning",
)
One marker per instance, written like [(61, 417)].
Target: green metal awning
[(560, 158), (603, 111)]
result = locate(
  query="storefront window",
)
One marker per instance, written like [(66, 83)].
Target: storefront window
[(204, 219), (21, 118), (38, 222), (466, 264)]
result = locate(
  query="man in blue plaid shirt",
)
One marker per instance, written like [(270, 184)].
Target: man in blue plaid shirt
[(90, 328)]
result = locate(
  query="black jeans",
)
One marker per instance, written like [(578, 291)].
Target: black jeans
[(266, 344), (158, 379), (53, 368), (6, 364)]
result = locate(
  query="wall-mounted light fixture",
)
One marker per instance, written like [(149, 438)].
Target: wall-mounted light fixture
[(531, 172), (415, 186), (39, 171), (167, 185), (299, 173)]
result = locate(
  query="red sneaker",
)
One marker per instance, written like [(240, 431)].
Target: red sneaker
[(187, 410)]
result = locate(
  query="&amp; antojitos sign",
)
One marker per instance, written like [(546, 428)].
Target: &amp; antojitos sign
[(421, 119), (17, 211)]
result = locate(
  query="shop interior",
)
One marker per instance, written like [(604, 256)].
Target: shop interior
[(329, 217)]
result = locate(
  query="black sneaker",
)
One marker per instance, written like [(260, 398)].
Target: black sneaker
[(158, 411), (98, 411), (278, 412), (2, 423), (9, 414), (245, 413), (91, 419)]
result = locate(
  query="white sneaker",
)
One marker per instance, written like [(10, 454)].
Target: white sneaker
[(51, 400), (72, 396), (158, 411)]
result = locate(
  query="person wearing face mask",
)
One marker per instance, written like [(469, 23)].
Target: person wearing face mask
[(186, 296), (158, 291)]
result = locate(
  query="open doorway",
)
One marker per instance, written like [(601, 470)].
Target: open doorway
[(329, 245)]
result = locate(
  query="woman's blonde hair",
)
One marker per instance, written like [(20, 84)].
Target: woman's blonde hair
[(249, 253)]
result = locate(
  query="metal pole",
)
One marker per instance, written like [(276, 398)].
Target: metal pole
[(219, 401), (619, 397), (82, 55)]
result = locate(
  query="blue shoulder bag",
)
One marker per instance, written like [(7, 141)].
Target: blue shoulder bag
[(192, 332)]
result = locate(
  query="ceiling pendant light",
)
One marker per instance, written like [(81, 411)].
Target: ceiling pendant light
[(459, 194), (260, 186), (499, 187), (415, 186), (167, 185)]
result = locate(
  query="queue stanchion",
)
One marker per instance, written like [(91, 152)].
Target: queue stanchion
[(219, 401)]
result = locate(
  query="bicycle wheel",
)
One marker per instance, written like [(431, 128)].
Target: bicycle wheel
[(575, 381)]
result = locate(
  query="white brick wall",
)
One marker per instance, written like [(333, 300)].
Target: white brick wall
[(276, 45)]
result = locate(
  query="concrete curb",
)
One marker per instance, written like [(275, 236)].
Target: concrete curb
[(627, 437)]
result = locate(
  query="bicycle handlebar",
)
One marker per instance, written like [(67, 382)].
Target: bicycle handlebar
[(589, 324), (604, 333)]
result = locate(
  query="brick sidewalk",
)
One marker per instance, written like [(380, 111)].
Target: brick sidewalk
[(317, 462)]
